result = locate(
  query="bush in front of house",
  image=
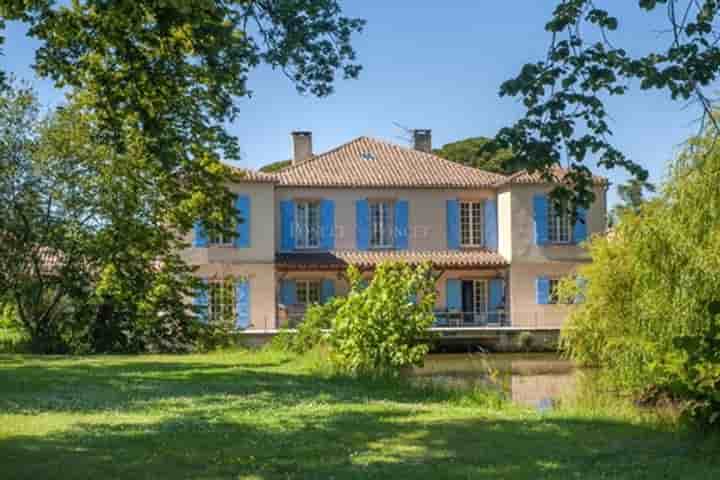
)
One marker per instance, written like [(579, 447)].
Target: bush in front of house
[(382, 327), (651, 310)]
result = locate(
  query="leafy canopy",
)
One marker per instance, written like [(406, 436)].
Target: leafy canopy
[(275, 166), (565, 94), (651, 315), (478, 152)]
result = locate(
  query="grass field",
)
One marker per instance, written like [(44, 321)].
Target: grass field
[(266, 416)]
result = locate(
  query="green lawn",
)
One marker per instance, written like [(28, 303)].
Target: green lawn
[(263, 415)]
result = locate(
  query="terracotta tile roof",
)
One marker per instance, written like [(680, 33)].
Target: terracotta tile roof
[(367, 162), (367, 259), (558, 173)]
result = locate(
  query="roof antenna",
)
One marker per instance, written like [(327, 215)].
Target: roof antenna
[(407, 135)]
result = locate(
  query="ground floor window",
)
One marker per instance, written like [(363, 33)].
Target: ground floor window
[(308, 291), (221, 301)]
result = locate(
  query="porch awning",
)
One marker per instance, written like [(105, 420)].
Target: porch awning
[(369, 259)]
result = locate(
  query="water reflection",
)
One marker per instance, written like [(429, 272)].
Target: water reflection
[(535, 380)]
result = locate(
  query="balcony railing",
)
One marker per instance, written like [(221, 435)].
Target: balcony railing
[(456, 319), (290, 316)]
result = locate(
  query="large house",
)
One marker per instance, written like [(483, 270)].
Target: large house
[(496, 241)]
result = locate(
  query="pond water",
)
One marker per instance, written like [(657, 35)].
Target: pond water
[(535, 380)]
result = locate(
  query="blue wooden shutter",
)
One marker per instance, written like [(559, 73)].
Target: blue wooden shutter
[(327, 290), (580, 230), (200, 301), (540, 215), (453, 294), (362, 224), (327, 224), (491, 224), (200, 238), (453, 224), (497, 294), (242, 205), (288, 292), (401, 224), (242, 303), (287, 225), (543, 290)]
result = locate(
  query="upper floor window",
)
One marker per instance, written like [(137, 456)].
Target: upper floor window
[(471, 224), (560, 225), (308, 291), (307, 223), (220, 239), (221, 301), (381, 224)]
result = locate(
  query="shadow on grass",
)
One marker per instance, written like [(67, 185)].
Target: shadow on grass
[(137, 418), (353, 444), (126, 384)]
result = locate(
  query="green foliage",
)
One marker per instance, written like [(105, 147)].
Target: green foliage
[(381, 328), (649, 313), (478, 152), (275, 166), (157, 83), (113, 180), (525, 341), (313, 331), (632, 196), (13, 337), (565, 93)]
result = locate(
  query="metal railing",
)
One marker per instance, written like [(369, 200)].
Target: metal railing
[(455, 319), (290, 316)]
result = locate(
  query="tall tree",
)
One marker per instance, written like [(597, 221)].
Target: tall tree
[(566, 118), (478, 152), (155, 84), (46, 224)]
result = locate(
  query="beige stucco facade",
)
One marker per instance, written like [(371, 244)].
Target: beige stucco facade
[(426, 217), (516, 235)]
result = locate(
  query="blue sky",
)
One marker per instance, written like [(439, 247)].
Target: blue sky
[(433, 65)]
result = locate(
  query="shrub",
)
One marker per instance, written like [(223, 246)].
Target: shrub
[(525, 341), (13, 337), (312, 331), (648, 314), (380, 328)]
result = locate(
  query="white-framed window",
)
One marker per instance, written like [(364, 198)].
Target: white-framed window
[(381, 224), (560, 225), (480, 296), (221, 301), (308, 291), (553, 283), (307, 224), (471, 224)]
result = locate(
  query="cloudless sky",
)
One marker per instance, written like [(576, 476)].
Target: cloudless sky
[(435, 65)]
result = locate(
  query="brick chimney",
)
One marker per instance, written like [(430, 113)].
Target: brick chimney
[(302, 146), (422, 139)]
